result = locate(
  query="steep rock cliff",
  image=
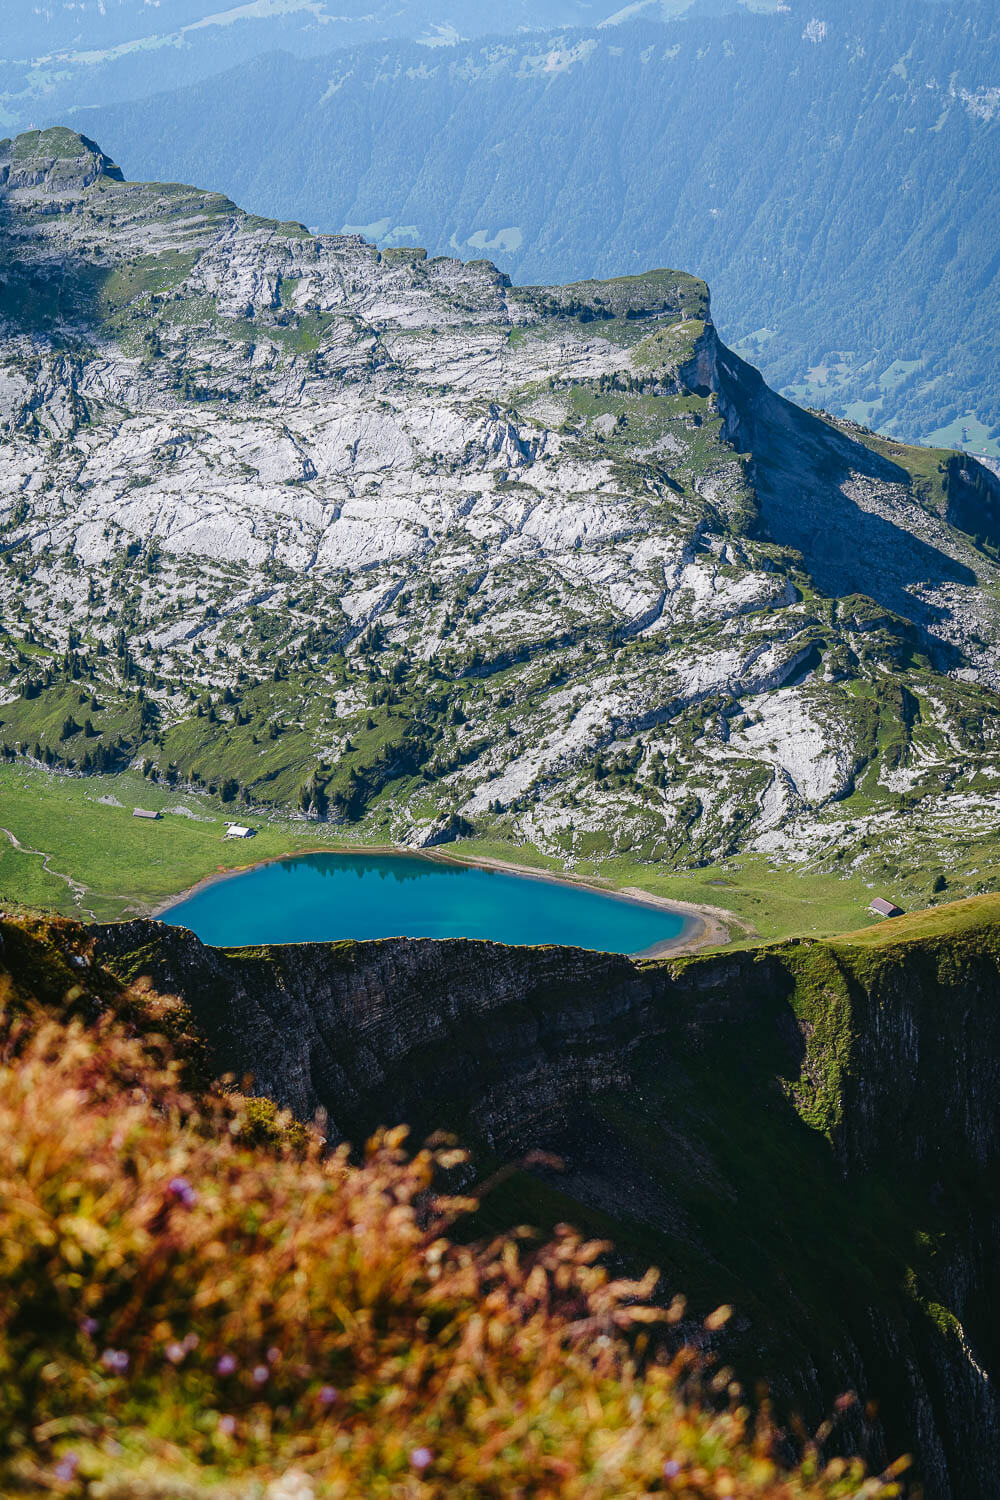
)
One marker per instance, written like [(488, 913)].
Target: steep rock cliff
[(809, 1131)]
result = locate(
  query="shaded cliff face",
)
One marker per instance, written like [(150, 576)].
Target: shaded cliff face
[(869, 515), (810, 1131)]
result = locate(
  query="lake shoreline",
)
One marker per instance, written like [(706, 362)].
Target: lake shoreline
[(704, 926)]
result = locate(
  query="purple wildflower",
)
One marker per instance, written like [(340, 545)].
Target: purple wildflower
[(273, 1354), (89, 1326), (260, 1374), (671, 1469), (421, 1458), (226, 1365), (227, 1425), (181, 1189), (327, 1395), (115, 1359), (191, 1342), (67, 1466), (175, 1353)]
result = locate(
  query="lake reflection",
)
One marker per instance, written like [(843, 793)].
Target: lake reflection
[(323, 897)]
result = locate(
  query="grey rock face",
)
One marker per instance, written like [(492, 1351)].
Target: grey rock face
[(53, 163), (555, 551)]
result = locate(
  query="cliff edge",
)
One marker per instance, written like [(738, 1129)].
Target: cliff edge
[(809, 1131)]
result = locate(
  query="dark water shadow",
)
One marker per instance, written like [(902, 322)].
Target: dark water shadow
[(402, 869)]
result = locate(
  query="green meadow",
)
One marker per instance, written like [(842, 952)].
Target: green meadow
[(83, 853)]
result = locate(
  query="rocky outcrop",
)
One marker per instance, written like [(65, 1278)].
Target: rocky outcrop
[(558, 540), (388, 1031), (809, 1131), (53, 163)]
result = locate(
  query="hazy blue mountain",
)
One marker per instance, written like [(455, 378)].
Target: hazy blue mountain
[(68, 53), (79, 26), (81, 52), (83, 26), (836, 180)]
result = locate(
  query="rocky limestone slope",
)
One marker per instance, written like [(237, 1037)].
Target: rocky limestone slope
[(808, 1131), (394, 542)]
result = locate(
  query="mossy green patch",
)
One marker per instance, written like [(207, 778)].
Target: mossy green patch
[(669, 346), (975, 919), (120, 862)]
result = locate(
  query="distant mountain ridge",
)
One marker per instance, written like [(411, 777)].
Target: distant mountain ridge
[(62, 55), (835, 179)]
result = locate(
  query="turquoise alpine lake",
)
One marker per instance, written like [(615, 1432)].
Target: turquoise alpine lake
[(322, 897)]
